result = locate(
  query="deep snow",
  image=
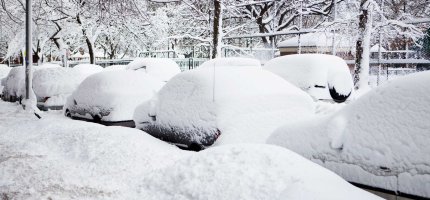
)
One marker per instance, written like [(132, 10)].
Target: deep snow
[(380, 139), (161, 68), (59, 158)]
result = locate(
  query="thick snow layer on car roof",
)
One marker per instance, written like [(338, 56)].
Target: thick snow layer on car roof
[(115, 67), (161, 68), (247, 172), (245, 105), (68, 159), (118, 91), (381, 139), (307, 70), (50, 82), (232, 62)]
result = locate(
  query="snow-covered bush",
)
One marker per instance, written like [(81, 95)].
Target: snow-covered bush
[(232, 62), (111, 95), (243, 105), (322, 76), (381, 139), (161, 68)]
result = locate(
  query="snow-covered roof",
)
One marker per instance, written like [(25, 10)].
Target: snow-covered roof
[(317, 40), (161, 68)]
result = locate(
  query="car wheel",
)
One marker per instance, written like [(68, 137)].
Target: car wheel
[(338, 98), (67, 113), (195, 147), (97, 118)]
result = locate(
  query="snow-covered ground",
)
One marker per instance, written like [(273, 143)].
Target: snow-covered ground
[(58, 158)]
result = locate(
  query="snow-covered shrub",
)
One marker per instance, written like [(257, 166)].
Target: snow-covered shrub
[(111, 95), (243, 105), (381, 139), (161, 68), (322, 76)]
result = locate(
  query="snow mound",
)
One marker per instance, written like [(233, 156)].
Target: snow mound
[(161, 68), (116, 92), (232, 62), (225, 173), (67, 159), (244, 105), (318, 74), (85, 70), (381, 139), (50, 82)]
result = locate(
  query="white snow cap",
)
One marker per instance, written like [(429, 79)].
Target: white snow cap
[(118, 91), (245, 105), (247, 172), (161, 68), (232, 62), (308, 71), (381, 139)]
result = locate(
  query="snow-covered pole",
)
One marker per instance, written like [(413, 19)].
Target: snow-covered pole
[(333, 46), (300, 26), (28, 50), (380, 45)]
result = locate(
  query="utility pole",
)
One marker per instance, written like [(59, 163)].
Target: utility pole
[(300, 26), (333, 42), (28, 51)]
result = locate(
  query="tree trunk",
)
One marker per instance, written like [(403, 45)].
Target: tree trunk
[(217, 29), (361, 72), (88, 41)]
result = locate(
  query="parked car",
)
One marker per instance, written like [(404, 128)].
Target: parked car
[(14, 83), (161, 68), (4, 71), (52, 86), (237, 105), (322, 76), (380, 140), (110, 97), (232, 62)]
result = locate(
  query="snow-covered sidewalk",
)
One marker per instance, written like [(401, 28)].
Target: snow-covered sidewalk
[(59, 158)]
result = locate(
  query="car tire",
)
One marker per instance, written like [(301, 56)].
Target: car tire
[(195, 147), (67, 113), (338, 98)]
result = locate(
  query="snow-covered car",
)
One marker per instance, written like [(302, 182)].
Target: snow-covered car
[(14, 83), (115, 67), (111, 96), (161, 68), (322, 76), (237, 105), (53, 85), (232, 62), (86, 70), (4, 71), (379, 140)]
